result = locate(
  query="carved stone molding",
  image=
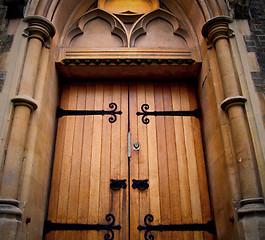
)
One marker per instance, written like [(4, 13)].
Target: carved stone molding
[(234, 100), (9, 209), (251, 206), (27, 101), (117, 27), (217, 28), (40, 28), (180, 30)]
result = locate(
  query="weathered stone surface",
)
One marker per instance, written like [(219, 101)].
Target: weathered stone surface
[(240, 8), (5, 40), (256, 41)]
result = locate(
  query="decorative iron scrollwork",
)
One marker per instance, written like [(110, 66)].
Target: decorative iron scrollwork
[(61, 112), (117, 184), (145, 113), (140, 184), (50, 226), (209, 227)]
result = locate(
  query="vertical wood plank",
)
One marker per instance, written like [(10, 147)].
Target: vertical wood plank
[(95, 162), (86, 159), (192, 163), (134, 164), (115, 169), (185, 197), (203, 184), (172, 162), (57, 163), (104, 197), (76, 160), (154, 198), (163, 163), (143, 158), (63, 203), (124, 198)]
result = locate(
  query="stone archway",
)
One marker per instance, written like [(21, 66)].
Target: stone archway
[(221, 142)]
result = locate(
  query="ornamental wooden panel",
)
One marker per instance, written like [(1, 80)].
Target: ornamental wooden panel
[(90, 151)]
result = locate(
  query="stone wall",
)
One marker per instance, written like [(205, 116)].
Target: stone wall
[(10, 11), (256, 41), (5, 41)]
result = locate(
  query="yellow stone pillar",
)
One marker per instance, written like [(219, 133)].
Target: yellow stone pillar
[(217, 31), (39, 31)]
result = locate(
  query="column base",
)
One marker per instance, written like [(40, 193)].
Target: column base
[(251, 224), (10, 217)]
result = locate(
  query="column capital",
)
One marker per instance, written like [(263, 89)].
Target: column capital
[(27, 101), (217, 28), (10, 207), (40, 28), (233, 100), (251, 207)]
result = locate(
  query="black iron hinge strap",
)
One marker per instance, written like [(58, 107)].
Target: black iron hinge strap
[(209, 227), (61, 112), (50, 226), (145, 113)]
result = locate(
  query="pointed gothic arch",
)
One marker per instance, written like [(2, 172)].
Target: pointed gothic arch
[(77, 28), (203, 59)]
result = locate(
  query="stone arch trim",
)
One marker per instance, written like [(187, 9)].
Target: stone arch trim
[(51, 8), (77, 27), (179, 27), (46, 8)]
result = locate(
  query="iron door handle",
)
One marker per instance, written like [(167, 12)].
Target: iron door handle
[(116, 184), (140, 184)]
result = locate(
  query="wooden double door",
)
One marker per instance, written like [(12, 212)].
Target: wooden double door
[(164, 157)]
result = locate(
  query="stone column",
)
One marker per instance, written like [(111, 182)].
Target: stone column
[(39, 31), (252, 203)]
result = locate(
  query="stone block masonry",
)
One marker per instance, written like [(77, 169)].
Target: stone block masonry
[(256, 41), (12, 9)]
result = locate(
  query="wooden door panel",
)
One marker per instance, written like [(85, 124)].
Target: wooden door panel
[(90, 151), (171, 157), (88, 154)]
